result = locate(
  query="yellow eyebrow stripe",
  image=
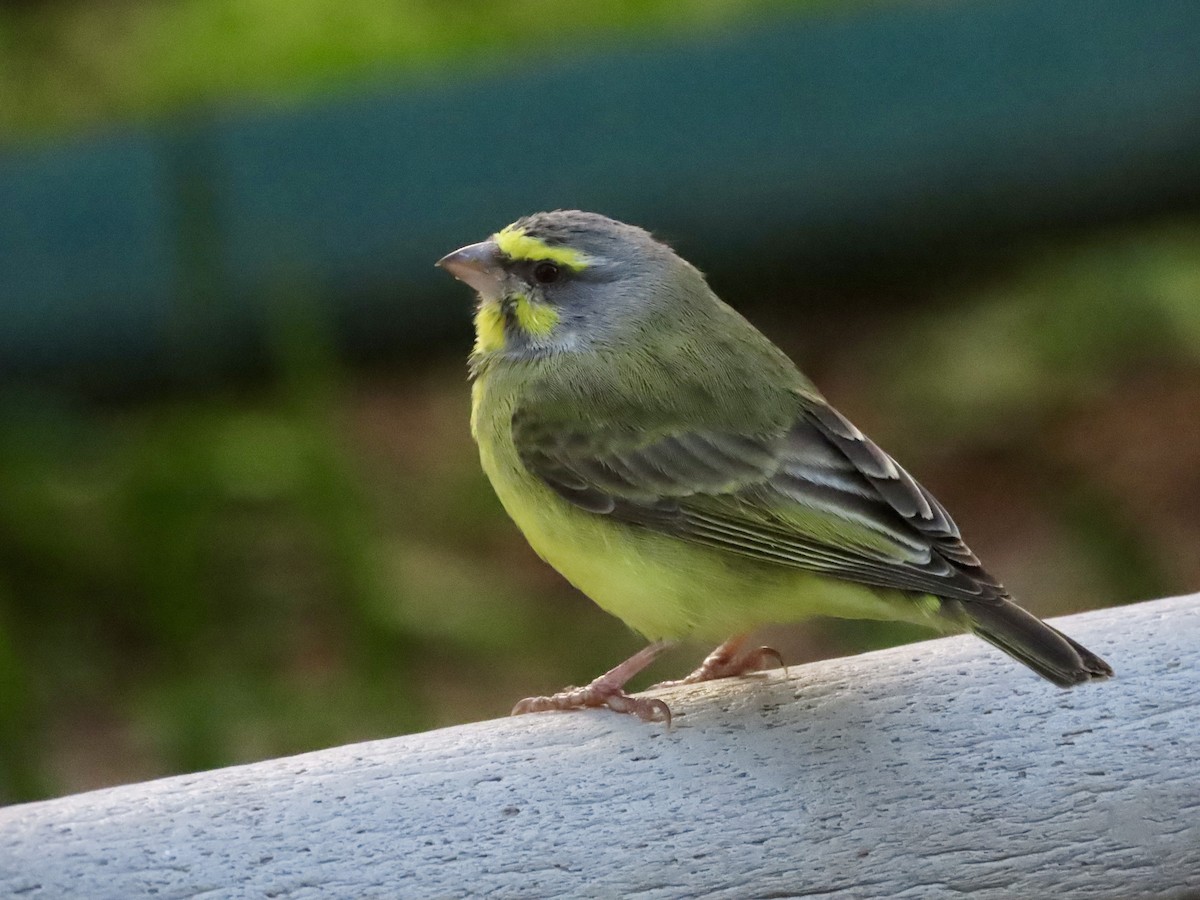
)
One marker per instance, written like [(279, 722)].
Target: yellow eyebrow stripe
[(516, 244)]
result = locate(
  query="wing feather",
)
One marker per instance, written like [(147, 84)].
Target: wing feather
[(818, 495)]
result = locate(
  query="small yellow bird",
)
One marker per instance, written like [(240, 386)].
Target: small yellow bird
[(675, 466)]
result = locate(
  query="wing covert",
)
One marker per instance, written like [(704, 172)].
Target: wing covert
[(817, 495)]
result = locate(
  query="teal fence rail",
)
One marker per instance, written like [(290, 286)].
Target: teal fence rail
[(155, 252)]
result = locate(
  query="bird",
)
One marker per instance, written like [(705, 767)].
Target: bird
[(675, 466)]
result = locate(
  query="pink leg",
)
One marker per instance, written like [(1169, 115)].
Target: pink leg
[(727, 661), (607, 690)]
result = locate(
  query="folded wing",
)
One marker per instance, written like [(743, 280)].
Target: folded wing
[(817, 495)]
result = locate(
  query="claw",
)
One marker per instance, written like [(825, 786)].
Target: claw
[(531, 705), (648, 710), (755, 660)]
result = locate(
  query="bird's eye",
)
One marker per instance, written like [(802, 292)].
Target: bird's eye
[(546, 273)]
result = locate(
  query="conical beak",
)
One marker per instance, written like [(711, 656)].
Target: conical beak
[(477, 265)]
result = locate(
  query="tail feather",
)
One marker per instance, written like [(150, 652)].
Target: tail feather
[(1028, 639)]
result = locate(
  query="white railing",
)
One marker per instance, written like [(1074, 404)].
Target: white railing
[(940, 769)]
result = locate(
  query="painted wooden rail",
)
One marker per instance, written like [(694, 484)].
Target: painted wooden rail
[(937, 769)]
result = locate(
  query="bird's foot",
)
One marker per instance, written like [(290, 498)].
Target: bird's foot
[(607, 690), (594, 695), (728, 661)]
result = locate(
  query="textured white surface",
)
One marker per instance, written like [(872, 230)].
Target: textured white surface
[(932, 770)]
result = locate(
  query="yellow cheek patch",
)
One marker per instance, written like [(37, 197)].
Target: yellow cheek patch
[(537, 319), (489, 328), (516, 244)]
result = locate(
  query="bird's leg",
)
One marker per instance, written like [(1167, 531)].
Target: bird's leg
[(728, 661), (607, 690)]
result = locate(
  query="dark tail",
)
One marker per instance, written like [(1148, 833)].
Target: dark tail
[(1027, 638)]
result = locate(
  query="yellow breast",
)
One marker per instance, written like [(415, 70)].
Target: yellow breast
[(660, 586)]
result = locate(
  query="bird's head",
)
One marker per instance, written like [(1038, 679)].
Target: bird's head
[(565, 281)]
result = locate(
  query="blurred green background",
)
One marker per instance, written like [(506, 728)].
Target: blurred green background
[(210, 556)]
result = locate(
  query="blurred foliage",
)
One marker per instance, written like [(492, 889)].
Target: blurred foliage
[(71, 62), (1061, 329), (197, 581), (173, 568)]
